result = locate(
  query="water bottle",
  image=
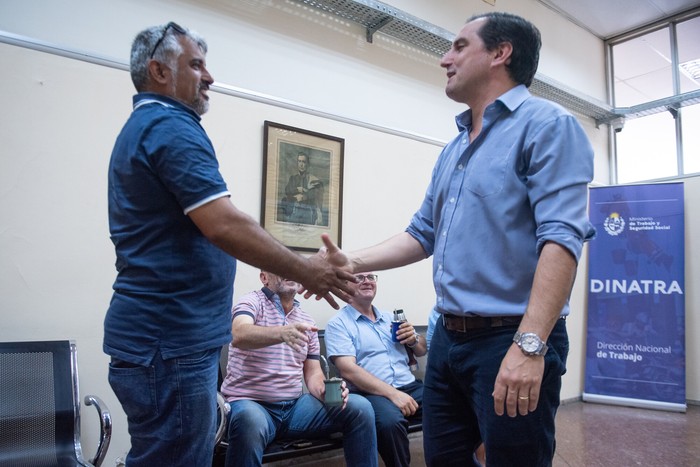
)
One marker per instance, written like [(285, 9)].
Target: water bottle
[(399, 318)]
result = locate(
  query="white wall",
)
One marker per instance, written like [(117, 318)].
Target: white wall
[(60, 117), (283, 49)]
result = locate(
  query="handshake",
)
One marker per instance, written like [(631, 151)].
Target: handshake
[(329, 272)]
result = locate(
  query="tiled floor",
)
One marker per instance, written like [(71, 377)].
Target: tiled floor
[(597, 435)]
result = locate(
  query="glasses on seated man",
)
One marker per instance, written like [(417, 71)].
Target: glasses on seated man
[(369, 277)]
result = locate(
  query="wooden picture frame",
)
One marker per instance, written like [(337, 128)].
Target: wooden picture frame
[(302, 189)]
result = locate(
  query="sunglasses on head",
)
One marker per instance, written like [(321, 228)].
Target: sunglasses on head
[(177, 28)]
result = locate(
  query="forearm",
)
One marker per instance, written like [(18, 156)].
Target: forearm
[(421, 348), (313, 377), (551, 288), (365, 381), (242, 237), (251, 336), (397, 251)]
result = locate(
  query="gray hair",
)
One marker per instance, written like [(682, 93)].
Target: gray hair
[(166, 52)]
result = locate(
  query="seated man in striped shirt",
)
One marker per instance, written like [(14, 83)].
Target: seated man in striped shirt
[(275, 344)]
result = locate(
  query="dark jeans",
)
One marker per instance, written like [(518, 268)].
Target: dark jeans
[(253, 425), (458, 403), (392, 427), (170, 408)]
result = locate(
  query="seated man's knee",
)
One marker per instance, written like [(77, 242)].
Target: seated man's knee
[(360, 408), (247, 420), (389, 423)]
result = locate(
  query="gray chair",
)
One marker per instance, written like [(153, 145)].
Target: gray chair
[(40, 406)]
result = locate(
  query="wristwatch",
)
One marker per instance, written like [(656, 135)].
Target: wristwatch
[(530, 343)]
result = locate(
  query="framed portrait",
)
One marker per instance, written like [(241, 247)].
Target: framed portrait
[(302, 189)]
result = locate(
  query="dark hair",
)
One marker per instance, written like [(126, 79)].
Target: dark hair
[(524, 36)]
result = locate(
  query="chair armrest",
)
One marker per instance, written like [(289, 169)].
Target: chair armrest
[(223, 409), (105, 429)]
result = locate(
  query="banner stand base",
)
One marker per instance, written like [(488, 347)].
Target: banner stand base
[(641, 403)]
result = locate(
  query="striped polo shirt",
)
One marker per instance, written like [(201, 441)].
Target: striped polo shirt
[(272, 373)]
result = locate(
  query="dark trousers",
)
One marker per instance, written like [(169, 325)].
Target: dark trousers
[(392, 426), (458, 404)]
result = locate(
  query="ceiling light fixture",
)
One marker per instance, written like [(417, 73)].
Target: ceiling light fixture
[(691, 69)]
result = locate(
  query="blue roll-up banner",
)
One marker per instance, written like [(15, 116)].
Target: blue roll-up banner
[(635, 352)]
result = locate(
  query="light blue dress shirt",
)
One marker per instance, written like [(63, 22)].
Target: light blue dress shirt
[(493, 203), (432, 322), (350, 333)]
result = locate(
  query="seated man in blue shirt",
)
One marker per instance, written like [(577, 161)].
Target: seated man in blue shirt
[(358, 341)]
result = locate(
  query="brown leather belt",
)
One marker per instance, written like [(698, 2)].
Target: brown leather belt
[(473, 323)]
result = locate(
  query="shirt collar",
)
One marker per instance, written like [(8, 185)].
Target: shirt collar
[(357, 315), (511, 99), (273, 297), (144, 98)]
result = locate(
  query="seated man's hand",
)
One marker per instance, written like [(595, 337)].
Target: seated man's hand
[(296, 335), (407, 334), (406, 404), (345, 394)]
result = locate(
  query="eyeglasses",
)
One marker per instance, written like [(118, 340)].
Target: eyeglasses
[(177, 28), (369, 277)]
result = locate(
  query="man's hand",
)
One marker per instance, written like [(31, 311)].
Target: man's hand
[(406, 404), (333, 254), (296, 335), (345, 394), (329, 277), (518, 383), (407, 334)]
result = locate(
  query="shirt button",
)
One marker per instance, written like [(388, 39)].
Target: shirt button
[(452, 200), (460, 166), (444, 233)]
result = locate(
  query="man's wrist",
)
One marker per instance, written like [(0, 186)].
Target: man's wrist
[(417, 337)]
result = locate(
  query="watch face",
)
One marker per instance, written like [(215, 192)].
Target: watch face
[(530, 342)]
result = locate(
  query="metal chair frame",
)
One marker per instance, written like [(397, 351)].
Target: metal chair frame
[(45, 372)]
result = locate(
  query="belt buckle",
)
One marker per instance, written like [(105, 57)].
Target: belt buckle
[(457, 323), (462, 324)]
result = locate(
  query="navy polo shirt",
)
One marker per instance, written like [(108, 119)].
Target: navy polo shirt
[(174, 288)]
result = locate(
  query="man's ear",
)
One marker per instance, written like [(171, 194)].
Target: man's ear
[(158, 72), (503, 53)]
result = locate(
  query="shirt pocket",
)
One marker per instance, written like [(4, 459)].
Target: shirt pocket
[(486, 170)]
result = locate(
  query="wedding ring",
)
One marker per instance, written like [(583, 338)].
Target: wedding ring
[(523, 398)]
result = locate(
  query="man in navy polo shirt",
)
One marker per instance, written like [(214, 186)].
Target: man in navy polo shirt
[(176, 234)]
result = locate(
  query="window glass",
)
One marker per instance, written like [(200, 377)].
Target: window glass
[(646, 148), (688, 37), (691, 138), (642, 69)]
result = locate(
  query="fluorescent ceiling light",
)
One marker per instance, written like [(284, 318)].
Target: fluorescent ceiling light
[(691, 68)]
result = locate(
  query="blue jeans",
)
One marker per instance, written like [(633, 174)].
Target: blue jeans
[(392, 426), (458, 410), (253, 425), (170, 408)]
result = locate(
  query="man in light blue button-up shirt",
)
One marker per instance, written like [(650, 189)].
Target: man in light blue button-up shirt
[(359, 342), (505, 219)]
